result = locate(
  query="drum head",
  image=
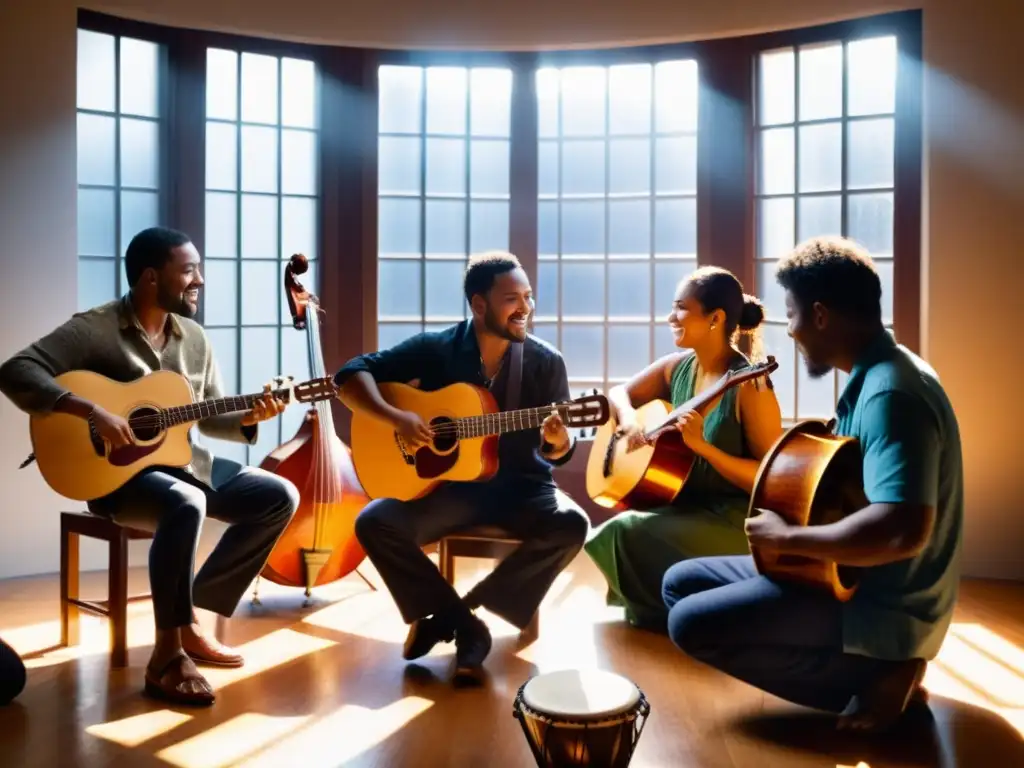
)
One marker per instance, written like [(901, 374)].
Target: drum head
[(580, 694)]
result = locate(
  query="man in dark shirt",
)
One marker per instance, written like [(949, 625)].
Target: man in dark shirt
[(522, 496)]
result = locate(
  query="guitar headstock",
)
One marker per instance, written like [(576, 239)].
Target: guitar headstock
[(586, 411), (315, 390), (752, 371)]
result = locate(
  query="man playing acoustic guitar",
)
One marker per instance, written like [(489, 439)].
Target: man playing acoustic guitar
[(151, 329), (521, 497), (864, 658)]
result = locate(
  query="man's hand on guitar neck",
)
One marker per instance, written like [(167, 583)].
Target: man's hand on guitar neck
[(554, 433)]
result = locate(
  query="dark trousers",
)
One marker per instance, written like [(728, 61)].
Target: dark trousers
[(12, 674), (392, 532), (783, 639), (172, 505)]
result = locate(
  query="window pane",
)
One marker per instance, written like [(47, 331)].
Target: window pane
[(298, 227), (399, 288), (221, 222), (390, 334), (676, 164), (871, 76), (446, 227), (97, 282), (444, 288), (547, 289), (583, 167), (887, 278), (96, 222), (583, 349), (630, 166), (490, 106), (629, 227), (489, 168), (221, 84), (870, 221), (139, 211), (140, 77), (446, 100), (259, 159), (770, 292), (777, 89), (871, 153), (821, 157), (298, 93), (815, 397), (547, 168), (259, 88), (446, 166), (547, 228), (221, 156), (629, 292), (675, 96), (398, 165), (488, 226), (310, 280), (675, 227), (298, 163), (667, 276), (140, 153), (582, 289), (629, 349), (95, 149), (664, 341), (95, 71), (777, 162), (820, 216), (398, 226), (583, 101), (583, 227), (548, 84), (821, 81), (258, 370), (259, 294), (548, 332), (224, 342), (776, 227), (778, 344), (400, 99), (629, 98), (220, 294), (259, 227)]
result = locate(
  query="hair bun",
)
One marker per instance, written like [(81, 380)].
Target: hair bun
[(752, 314)]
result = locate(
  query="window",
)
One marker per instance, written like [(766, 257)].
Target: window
[(617, 212), (119, 176), (262, 193), (826, 126), (443, 189)]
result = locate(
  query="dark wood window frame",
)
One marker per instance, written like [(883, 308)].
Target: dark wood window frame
[(347, 162)]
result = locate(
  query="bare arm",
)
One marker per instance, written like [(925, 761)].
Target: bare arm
[(360, 393), (652, 383)]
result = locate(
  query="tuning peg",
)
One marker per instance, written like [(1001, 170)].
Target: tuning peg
[(595, 390)]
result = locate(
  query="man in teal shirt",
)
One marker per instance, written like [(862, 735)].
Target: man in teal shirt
[(865, 658)]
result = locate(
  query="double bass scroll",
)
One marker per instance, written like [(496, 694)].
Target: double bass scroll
[(319, 546)]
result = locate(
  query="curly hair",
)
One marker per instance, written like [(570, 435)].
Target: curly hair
[(836, 272), (482, 270), (151, 248), (718, 288)]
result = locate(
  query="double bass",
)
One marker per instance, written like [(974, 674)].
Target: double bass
[(319, 545)]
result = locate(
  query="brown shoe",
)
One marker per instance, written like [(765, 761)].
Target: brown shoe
[(179, 682), (208, 651)]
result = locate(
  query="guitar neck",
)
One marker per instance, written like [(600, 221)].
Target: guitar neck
[(183, 414), (501, 422)]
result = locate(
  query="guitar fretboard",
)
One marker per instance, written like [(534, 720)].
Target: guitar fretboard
[(182, 414), (489, 424)]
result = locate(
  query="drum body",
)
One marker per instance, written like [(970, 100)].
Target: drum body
[(581, 718)]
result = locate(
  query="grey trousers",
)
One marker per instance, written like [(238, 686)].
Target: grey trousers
[(172, 505), (552, 526)]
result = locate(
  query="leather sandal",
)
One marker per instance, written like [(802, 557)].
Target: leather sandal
[(168, 684)]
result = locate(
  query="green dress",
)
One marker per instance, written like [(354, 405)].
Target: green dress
[(634, 549)]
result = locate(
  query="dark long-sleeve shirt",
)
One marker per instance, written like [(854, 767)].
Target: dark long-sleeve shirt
[(440, 358)]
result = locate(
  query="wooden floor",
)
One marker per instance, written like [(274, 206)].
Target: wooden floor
[(326, 686)]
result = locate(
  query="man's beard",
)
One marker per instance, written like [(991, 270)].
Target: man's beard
[(175, 303), (816, 370), (492, 324)]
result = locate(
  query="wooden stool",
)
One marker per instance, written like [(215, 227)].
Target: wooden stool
[(115, 607), (486, 541)]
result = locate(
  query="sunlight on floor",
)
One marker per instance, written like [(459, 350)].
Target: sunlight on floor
[(227, 743), (138, 729)]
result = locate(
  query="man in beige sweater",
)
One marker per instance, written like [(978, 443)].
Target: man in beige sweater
[(149, 329)]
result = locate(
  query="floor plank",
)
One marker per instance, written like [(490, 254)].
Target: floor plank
[(326, 686)]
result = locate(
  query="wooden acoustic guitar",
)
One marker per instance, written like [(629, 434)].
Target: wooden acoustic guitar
[(466, 423), (160, 408), (810, 476), (653, 475)]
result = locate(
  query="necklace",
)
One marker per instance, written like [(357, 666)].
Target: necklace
[(489, 380)]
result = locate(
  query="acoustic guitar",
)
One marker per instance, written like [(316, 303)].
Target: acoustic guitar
[(466, 423), (653, 475), (810, 476), (160, 408)]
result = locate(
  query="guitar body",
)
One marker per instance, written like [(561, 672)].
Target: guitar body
[(810, 476), (78, 468), (386, 471), (650, 476)]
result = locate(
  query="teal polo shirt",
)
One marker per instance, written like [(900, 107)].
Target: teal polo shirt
[(895, 406)]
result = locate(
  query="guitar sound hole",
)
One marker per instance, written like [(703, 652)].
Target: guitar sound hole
[(445, 434), (145, 423)]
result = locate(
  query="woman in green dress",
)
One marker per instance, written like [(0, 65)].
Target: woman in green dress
[(711, 319)]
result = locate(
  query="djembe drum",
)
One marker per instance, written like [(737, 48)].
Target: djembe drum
[(581, 718)]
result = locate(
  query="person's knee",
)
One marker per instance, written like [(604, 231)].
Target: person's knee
[(189, 507), (283, 499), (374, 520), (680, 580), (690, 628), (569, 529)]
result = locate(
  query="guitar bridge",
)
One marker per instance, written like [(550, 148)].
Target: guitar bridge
[(406, 456), (609, 454)]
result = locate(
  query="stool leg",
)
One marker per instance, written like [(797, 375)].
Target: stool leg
[(118, 601), (69, 613), (446, 560)]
